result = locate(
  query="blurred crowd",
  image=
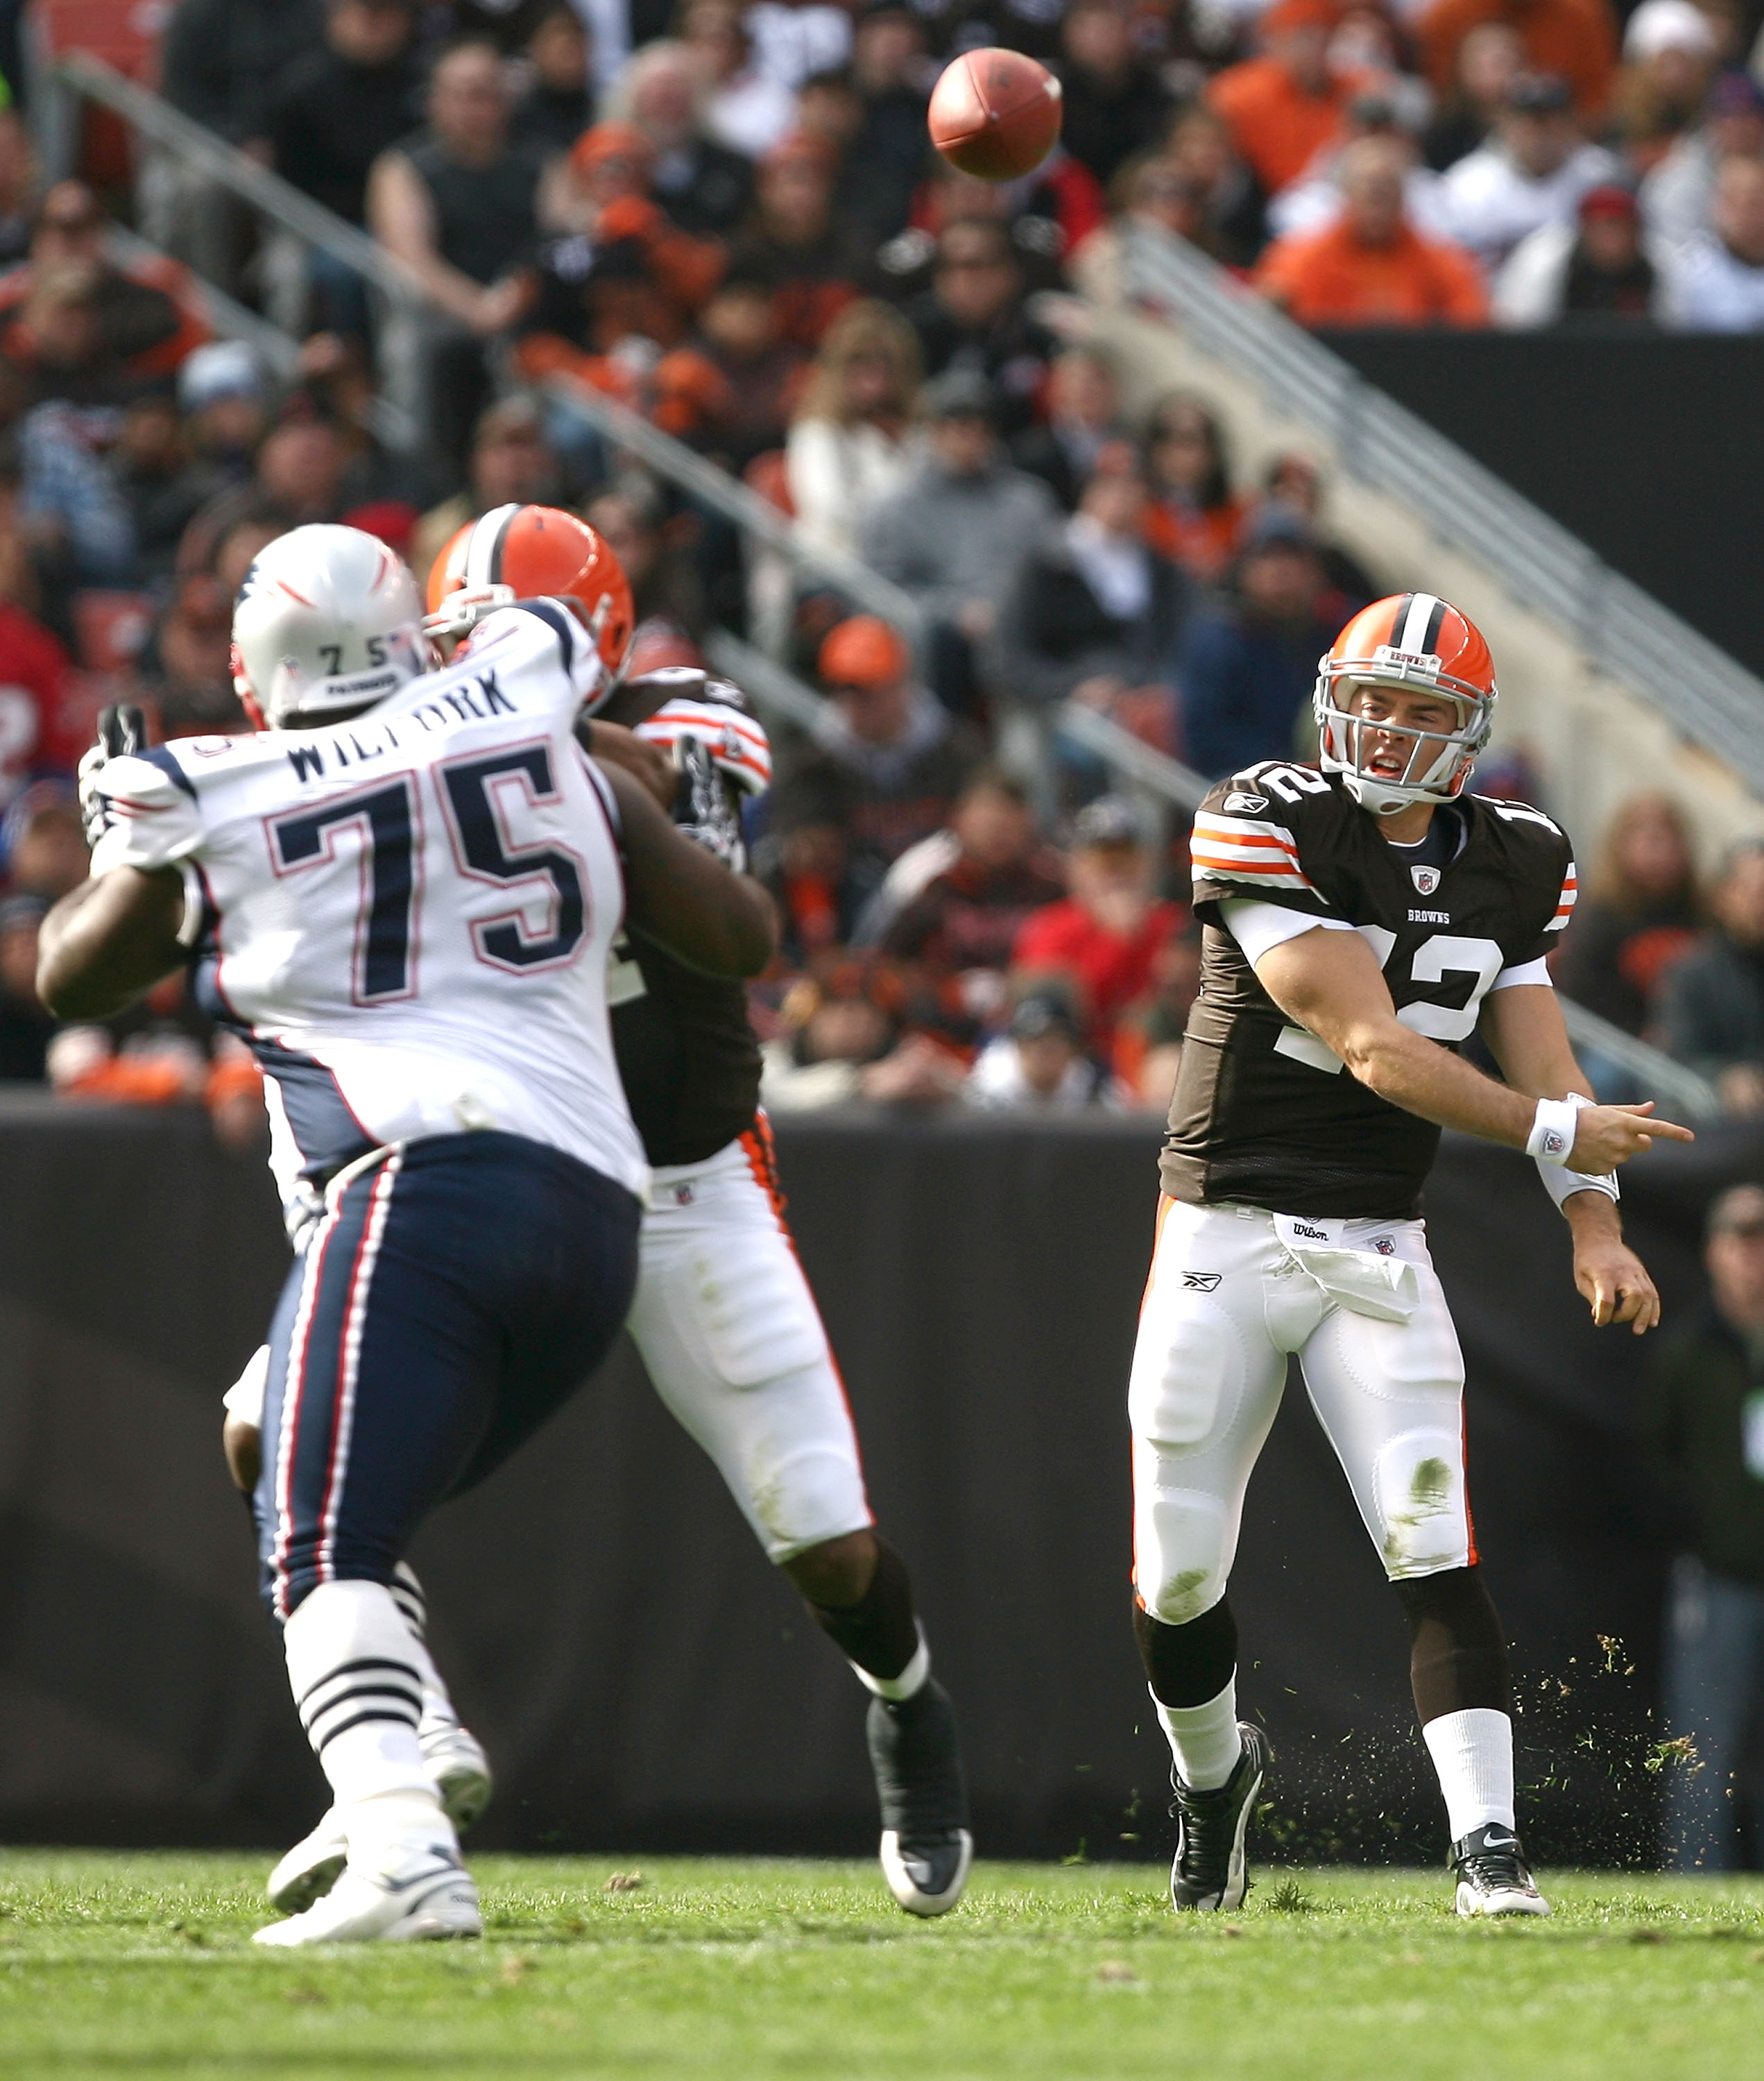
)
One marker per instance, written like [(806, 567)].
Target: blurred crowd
[(727, 217)]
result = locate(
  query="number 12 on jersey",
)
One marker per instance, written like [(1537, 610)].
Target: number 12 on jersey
[(384, 824)]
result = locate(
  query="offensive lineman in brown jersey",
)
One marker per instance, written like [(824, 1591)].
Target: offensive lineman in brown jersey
[(1361, 922)]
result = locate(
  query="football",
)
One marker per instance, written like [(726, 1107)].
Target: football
[(995, 114)]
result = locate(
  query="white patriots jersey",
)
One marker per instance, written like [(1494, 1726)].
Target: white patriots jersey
[(408, 915)]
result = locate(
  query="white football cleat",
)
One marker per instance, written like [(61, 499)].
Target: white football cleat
[(928, 1876), (421, 1895), (1493, 1877), (462, 1776)]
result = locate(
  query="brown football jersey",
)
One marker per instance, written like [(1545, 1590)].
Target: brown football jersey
[(1264, 1113)]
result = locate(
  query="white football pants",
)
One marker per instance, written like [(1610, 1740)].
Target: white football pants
[(1226, 1305), (734, 1344)]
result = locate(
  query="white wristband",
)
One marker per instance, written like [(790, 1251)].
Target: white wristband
[(1551, 1138), (1555, 1118)]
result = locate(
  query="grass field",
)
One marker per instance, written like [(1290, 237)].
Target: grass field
[(115, 1965)]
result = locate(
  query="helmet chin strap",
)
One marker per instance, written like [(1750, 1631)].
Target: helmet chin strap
[(1381, 800)]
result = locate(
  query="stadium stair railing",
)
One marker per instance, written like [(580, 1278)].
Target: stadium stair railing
[(1707, 697), (1712, 692)]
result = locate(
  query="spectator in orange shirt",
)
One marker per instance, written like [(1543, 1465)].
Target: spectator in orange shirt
[(1371, 266), (1282, 107), (1575, 38)]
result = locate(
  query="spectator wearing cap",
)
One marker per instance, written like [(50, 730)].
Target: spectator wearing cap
[(1488, 60), (26, 1028), (330, 115), (849, 446), (1371, 267), (1532, 171), (1596, 268), (560, 104), (223, 399), (1711, 1003), (956, 534), (1247, 665), (1096, 614), (973, 318), (457, 205), (1670, 51), (1704, 1425), (1286, 105), (511, 464), (1715, 282), (793, 241), (1084, 419), (1114, 104), (1101, 945), (1038, 1063), (1573, 38), (145, 318), (706, 189), (885, 764), (745, 110), (1315, 202), (1677, 194), (1640, 913)]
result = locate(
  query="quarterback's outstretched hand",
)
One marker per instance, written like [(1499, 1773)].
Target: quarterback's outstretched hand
[(1606, 1136), (1612, 1279)]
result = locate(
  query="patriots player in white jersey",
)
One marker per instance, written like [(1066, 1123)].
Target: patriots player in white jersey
[(403, 893)]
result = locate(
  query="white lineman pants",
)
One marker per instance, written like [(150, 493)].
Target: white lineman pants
[(733, 1342), (1224, 1307)]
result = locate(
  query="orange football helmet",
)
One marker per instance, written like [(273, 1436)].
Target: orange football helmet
[(1416, 640), (533, 552)]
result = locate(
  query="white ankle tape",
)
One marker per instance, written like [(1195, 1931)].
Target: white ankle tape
[(911, 1680)]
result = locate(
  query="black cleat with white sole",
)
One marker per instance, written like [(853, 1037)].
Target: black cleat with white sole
[(1493, 1876), (927, 1847), (1210, 1873)]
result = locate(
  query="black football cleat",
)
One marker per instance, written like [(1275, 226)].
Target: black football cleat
[(926, 1847), (1493, 1876), (1210, 1873)]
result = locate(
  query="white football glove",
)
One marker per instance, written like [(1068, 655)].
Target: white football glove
[(122, 731), (736, 741), (705, 810)]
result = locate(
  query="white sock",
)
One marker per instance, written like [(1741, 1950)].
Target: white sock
[(1203, 1738), (439, 1714), (1472, 1752), (911, 1680), (358, 1689)]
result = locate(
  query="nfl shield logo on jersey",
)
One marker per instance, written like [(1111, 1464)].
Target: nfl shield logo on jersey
[(1426, 879)]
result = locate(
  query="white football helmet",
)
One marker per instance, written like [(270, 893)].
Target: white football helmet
[(328, 622)]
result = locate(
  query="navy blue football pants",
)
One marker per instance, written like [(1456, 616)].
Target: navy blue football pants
[(452, 1299)]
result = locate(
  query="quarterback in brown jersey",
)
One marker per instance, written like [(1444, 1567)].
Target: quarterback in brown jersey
[(1363, 918)]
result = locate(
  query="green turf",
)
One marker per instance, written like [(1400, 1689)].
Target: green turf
[(116, 1964)]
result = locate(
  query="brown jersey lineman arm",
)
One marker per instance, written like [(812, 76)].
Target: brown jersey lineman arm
[(1330, 984), (689, 903)]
